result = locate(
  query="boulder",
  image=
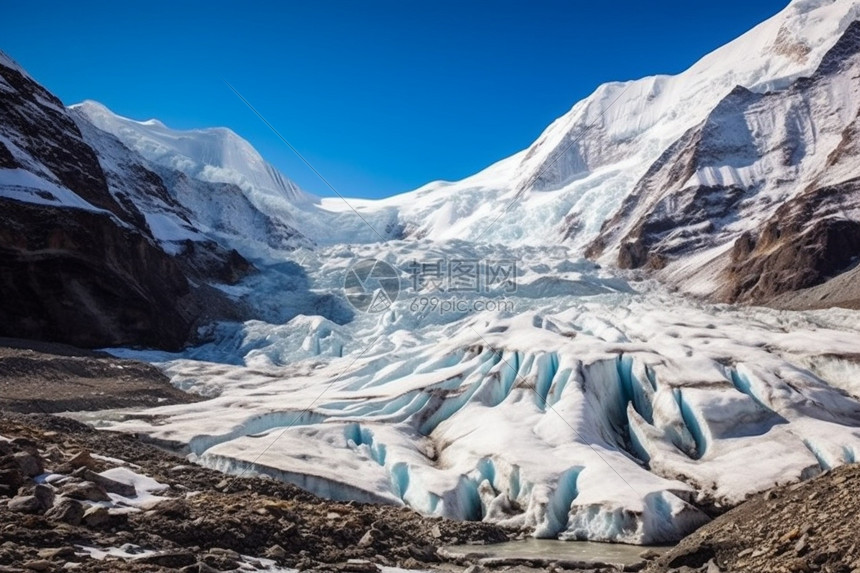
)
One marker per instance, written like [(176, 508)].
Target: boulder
[(85, 491), (66, 510), (45, 495), (172, 559), (96, 516), (25, 504), (30, 464), (12, 478), (109, 485), (82, 459), (49, 553)]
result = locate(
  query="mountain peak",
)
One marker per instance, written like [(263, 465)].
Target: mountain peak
[(217, 154)]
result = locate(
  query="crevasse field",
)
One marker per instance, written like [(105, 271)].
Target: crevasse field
[(589, 406)]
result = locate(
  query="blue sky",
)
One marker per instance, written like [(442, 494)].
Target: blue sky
[(380, 96)]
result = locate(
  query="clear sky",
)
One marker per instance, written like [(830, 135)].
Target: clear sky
[(380, 96)]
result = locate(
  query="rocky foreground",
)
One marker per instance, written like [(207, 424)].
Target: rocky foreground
[(801, 528), (72, 497), (165, 515)]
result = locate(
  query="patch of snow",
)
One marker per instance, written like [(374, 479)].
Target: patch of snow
[(22, 185)]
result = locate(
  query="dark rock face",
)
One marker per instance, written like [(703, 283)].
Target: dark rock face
[(78, 263), (79, 278), (801, 246)]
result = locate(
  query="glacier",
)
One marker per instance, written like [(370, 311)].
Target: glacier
[(606, 409)]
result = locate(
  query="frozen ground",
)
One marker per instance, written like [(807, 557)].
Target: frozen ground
[(581, 407)]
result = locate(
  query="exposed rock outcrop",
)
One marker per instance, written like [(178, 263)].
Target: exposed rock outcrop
[(761, 199), (78, 261)]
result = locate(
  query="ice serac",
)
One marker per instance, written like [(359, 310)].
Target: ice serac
[(761, 198)]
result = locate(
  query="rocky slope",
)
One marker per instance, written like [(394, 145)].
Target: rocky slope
[(760, 199), (78, 260), (805, 527), (48, 378)]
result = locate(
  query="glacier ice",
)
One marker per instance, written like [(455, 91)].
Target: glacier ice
[(610, 411)]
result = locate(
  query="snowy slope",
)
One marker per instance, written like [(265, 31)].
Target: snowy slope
[(177, 207), (763, 176), (214, 155), (582, 167)]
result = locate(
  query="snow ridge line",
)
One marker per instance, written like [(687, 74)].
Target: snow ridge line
[(302, 157)]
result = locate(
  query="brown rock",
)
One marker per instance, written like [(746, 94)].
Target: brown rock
[(25, 504), (12, 478), (30, 464), (109, 485), (82, 459), (66, 510), (175, 508), (96, 516), (173, 559), (85, 491), (66, 552), (45, 495)]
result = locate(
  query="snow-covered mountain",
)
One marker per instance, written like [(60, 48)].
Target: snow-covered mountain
[(577, 182), (580, 170), (232, 193), (577, 405), (759, 199)]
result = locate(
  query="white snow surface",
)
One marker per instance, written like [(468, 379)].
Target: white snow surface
[(599, 410), (229, 188)]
